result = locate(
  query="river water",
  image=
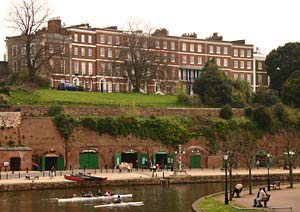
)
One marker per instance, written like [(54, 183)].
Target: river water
[(156, 198)]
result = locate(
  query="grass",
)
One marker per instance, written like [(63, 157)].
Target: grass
[(56, 97)]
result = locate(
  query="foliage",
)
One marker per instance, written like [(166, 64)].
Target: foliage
[(215, 89), (263, 118), (266, 97), (291, 90), (65, 125), (281, 63), (248, 111), (226, 112), (55, 110), (5, 90), (184, 99), (89, 122)]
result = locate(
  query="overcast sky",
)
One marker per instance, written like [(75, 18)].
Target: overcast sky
[(266, 24)]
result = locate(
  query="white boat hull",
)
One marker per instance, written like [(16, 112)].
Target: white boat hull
[(84, 199), (122, 204)]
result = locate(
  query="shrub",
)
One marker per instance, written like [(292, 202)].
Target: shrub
[(5, 90), (55, 110), (11, 143), (281, 113), (262, 116), (267, 98), (188, 100), (248, 112), (226, 112)]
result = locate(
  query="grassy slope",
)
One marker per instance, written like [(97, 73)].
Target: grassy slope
[(55, 97)]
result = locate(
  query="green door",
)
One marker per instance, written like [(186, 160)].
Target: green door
[(60, 163), (43, 163), (195, 161), (88, 160), (170, 160), (142, 158), (117, 159)]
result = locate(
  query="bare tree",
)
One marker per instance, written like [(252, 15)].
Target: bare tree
[(142, 64)]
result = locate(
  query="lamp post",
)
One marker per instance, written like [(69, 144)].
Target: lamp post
[(180, 171), (268, 166), (225, 157)]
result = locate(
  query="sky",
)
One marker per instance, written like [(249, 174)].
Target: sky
[(267, 24)]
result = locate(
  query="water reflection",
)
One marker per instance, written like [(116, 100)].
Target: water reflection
[(173, 198)]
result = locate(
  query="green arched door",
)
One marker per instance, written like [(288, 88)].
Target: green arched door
[(195, 161)]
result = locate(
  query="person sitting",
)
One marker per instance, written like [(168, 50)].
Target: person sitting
[(106, 193), (261, 197), (237, 189), (255, 199), (118, 200), (99, 193)]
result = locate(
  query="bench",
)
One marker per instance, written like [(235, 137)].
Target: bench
[(276, 185), (27, 177), (266, 200)]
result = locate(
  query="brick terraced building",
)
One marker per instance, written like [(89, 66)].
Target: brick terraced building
[(92, 58)]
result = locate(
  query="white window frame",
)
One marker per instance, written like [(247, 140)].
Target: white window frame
[(235, 76), (249, 64), (184, 47), (172, 45), (62, 66), (165, 45), (249, 78), (109, 52), (242, 53), (76, 64), (102, 39), (82, 38), (90, 39), (211, 49), (90, 52), (157, 44), (90, 68), (242, 64), (249, 52), (173, 58), (82, 51), (225, 62), (109, 39), (199, 48), (102, 52), (225, 50), (192, 47), (218, 61), (235, 52), (117, 40), (183, 59), (75, 37), (259, 65), (235, 64), (218, 50), (192, 59), (83, 68), (199, 60), (76, 51)]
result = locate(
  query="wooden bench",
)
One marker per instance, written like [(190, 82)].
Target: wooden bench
[(27, 177), (276, 185)]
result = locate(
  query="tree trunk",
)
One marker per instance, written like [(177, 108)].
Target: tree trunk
[(291, 174), (66, 153), (250, 180)]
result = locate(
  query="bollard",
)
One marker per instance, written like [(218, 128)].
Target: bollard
[(106, 170), (163, 174), (26, 170), (95, 171), (19, 175), (60, 173), (101, 170), (6, 175), (152, 173), (156, 175), (12, 171), (43, 174)]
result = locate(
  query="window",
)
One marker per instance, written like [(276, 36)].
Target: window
[(102, 68), (249, 53), (75, 51), (235, 76), (248, 64), (218, 50), (259, 79), (75, 67), (109, 52), (62, 66), (62, 49), (183, 58), (249, 78), (218, 60), (51, 64), (235, 52), (242, 76), (165, 57), (75, 37), (192, 47), (165, 45), (102, 52), (242, 53), (183, 46), (90, 69), (225, 62), (90, 52), (242, 64), (172, 45), (90, 40), (117, 39), (102, 39), (211, 49), (199, 48), (109, 39), (173, 74), (109, 67), (199, 60), (173, 58), (117, 53), (235, 64), (83, 65), (259, 65), (192, 60), (118, 70), (225, 50), (157, 44), (82, 52), (82, 38)]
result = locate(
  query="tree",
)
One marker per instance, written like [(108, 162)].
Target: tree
[(36, 44), (65, 125), (142, 63), (214, 87), (281, 63), (291, 90)]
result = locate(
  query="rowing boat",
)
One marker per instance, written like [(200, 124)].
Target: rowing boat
[(122, 204), (81, 177), (83, 199)]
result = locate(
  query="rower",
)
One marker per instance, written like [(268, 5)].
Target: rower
[(99, 193), (118, 200)]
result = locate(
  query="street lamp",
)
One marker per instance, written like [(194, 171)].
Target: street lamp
[(180, 171), (268, 166), (225, 157)]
